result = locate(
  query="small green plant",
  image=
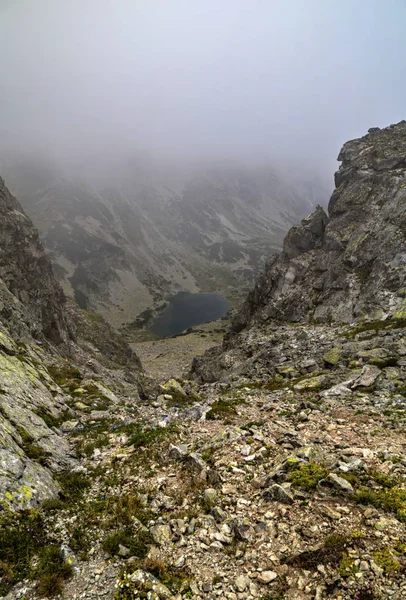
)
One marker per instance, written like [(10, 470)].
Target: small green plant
[(173, 577), (137, 544), (385, 559), (141, 436), (389, 499), (307, 476), (73, 485), (331, 552), (347, 567), (221, 409), (64, 374), (50, 585), (52, 504)]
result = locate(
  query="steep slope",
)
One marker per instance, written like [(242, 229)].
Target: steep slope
[(27, 273), (346, 267), (36, 337), (122, 242)]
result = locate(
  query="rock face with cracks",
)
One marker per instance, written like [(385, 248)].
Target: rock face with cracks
[(35, 331), (345, 267)]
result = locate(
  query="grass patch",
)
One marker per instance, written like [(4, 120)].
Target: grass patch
[(375, 326), (223, 408), (73, 485), (137, 544), (180, 400), (252, 424), (389, 499), (32, 450), (141, 436), (23, 537), (52, 571), (307, 476), (64, 374), (175, 579)]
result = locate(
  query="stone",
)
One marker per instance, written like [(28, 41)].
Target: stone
[(178, 452), (195, 463), (333, 356), (242, 583), (279, 493), (123, 551), (337, 483), (266, 577), (173, 386), (162, 534), (147, 583), (209, 497), (310, 383), (367, 377)]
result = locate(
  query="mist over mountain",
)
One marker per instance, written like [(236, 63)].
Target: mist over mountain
[(125, 236)]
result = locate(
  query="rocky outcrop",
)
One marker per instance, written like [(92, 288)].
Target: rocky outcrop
[(27, 273), (39, 388), (353, 264), (349, 266)]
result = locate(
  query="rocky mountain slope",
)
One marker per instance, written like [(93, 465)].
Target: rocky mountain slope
[(40, 339), (123, 240), (277, 471), (347, 266)]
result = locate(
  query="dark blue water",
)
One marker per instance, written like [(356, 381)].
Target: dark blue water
[(187, 310)]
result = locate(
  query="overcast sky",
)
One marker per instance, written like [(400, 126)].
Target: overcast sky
[(254, 79)]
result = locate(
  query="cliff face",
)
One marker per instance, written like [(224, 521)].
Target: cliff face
[(347, 266), (351, 264), (36, 393), (27, 273)]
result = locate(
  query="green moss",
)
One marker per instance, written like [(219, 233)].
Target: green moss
[(307, 476), (386, 560), (347, 567), (390, 500)]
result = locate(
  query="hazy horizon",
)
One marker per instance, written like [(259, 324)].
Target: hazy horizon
[(255, 81)]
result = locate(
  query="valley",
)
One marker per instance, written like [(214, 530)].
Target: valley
[(257, 457), (124, 236)]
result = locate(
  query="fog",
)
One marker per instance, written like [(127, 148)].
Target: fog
[(256, 80)]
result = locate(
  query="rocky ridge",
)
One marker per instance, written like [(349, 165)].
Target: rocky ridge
[(346, 267)]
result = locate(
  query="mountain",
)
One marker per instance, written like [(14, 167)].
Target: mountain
[(122, 239), (349, 266), (277, 470), (45, 342)]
